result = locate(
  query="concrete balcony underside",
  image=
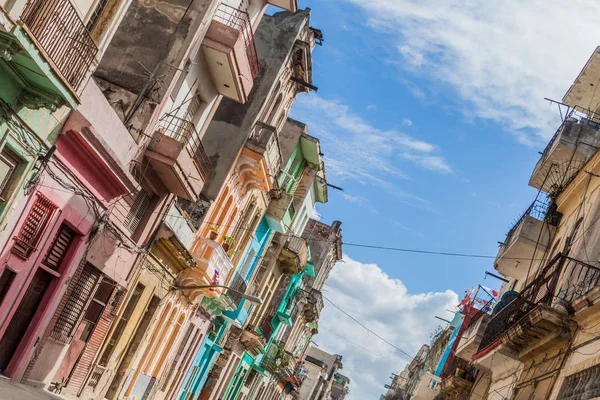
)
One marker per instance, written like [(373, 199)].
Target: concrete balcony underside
[(252, 340), (454, 385), (174, 166), (293, 255), (471, 338), (277, 209), (227, 56), (530, 236), (541, 329), (41, 85), (573, 144), (213, 267), (289, 5)]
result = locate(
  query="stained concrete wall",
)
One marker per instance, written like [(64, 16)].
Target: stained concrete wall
[(232, 122), (175, 27)]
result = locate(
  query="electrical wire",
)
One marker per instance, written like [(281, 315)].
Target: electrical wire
[(369, 330), (357, 345)]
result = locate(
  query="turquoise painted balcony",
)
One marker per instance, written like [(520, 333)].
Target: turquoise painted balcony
[(289, 314)]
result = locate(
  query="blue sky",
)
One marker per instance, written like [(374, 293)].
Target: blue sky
[(431, 115)]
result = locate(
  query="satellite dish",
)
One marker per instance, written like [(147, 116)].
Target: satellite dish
[(506, 299)]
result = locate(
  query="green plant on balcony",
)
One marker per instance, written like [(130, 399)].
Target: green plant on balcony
[(213, 232), (231, 253), (277, 359), (228, 243)]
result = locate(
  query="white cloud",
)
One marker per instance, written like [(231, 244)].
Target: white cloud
[(371, 107), (407, 122), (387, 308), (502, 57)]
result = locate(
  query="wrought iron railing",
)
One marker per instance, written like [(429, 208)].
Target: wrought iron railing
[(456, 366), (264, 137), (239, 286), (240, 21), (539, 210), (297, 245), (62, 35), (561, 281), (185, 132)]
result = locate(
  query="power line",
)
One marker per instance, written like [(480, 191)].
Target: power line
[(369, 330), (357, 345)]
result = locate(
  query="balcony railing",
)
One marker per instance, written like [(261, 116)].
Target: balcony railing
[(294, 254), (240, 21), (278, 361), (263, 139), (185, 133), (239, 285), (60, 32), (574, 114), (547, 288), (539, 210)]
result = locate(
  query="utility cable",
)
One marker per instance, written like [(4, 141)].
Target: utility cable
[(369, 330), (357, 345)]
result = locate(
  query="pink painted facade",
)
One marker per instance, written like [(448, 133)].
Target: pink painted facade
[(86, 176)]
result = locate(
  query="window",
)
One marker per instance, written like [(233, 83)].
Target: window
[(78, 299), (122, 324), (33, 226), (137, 211), (96, 14), (95, 309), (60, 247), (9, 164), (6, 279)]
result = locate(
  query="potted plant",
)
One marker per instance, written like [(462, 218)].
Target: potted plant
[(228, 242), (213, 232), (231, 253)]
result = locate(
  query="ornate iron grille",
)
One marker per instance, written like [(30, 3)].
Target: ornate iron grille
[(78, 300)]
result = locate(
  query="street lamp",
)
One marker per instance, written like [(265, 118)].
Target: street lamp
[(251, 298)]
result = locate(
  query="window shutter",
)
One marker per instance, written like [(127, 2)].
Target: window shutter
[(59, 248), (136, 213), (33, 226), (80, 296)]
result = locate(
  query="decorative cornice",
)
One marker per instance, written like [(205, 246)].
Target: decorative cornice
[(9, 46), (36, 99)]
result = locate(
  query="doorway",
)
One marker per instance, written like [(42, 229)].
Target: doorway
[(23, 316)]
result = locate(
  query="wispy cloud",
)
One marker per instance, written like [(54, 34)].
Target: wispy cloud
[(371, 107), (500, 57), (407, 229), (360, 201), (407, 122), (360, 150)]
